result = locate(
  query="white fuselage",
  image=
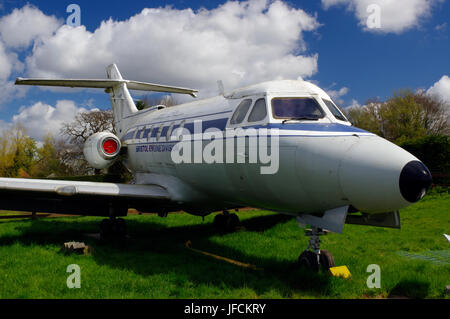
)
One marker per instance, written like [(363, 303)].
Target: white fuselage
[(322, 164)]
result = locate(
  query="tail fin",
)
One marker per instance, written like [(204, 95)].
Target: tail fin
[(122, 103), (113, 72)]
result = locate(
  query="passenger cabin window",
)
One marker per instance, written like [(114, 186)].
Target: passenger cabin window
[(169, 131), (335, 110), (159, 132), (297, 109), (148, 132), (259, 111), (241, 112), (137, 133)]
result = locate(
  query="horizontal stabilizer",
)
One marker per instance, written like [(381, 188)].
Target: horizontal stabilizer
[(106, 84)]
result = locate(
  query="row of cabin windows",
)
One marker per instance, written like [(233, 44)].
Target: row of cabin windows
[(157, 131), (258, 113)]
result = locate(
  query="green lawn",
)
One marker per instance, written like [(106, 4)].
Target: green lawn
[(155, 263)]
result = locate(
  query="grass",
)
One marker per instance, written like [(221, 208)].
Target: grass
[(155, 263)]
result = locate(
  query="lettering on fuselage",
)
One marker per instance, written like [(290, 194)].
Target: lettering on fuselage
[(155, 148)]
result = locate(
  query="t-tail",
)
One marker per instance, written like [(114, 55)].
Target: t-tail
[(122, 103)]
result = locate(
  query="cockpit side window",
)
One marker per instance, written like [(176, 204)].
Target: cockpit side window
[(297, 108), (335, 110), (259, 111), (241, 112)]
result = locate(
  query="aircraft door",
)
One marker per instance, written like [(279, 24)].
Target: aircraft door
[(248, 116)]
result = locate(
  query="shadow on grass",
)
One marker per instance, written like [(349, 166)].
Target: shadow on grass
[(410, 289), (157, 249)]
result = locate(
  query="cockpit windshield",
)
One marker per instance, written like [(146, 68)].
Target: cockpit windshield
[(335, 110), (297, 108)]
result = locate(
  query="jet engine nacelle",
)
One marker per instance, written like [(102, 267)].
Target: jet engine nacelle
[(102, 149)]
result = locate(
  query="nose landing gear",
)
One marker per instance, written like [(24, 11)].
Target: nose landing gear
[(313, 258)]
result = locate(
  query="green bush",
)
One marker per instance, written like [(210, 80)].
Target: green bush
[(434, 151)]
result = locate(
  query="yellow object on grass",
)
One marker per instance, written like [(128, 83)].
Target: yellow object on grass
[(341, 271)]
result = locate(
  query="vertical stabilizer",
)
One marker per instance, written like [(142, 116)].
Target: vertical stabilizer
[(121, 100)]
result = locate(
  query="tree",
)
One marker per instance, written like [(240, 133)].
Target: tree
[(404, 116), (49, 160), (88, 123), (435, 113), (17, 152)]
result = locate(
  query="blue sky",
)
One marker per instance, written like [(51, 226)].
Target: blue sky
[(353, 63)]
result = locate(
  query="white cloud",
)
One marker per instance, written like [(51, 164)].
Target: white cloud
[(41, 119), (337, 94), (22, 26), (441, 88), (354, 104), (441, 27), (396, 15), (9, 63), (239, 43)]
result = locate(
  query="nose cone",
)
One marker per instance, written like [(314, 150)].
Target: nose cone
[(377, 176), (415, 181)]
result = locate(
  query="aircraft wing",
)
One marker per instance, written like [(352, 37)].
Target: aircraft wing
[(80, 198)]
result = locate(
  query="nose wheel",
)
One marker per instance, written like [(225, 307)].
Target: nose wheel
[(313, 258)]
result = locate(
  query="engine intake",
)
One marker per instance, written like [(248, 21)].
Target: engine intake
[(102, 149)]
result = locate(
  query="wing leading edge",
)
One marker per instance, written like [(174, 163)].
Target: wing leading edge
[(81, 198)]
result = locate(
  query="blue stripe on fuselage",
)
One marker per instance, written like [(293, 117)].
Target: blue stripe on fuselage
[(319, 127), (220, 124)]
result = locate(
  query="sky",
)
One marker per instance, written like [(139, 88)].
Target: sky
[(353, 49)]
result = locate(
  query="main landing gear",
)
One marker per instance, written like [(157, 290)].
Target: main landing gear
[(112, 227), (313, 258), (226, 222)]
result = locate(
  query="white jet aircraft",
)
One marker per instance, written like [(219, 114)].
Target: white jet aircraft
[(306, 160)]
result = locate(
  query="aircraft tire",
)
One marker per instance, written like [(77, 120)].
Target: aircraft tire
[(308, 260), (219, 222), (326, 260), (232, 222), (226, 222)]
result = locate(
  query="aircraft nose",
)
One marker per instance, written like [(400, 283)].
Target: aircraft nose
[(415, 181)]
